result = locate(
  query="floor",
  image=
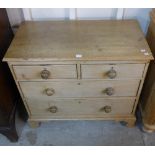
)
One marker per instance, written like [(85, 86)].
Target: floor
[(83, 133)]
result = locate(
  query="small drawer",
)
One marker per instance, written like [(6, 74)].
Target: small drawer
[(89, 88), (45, 72), (115, 71), (78, 107)]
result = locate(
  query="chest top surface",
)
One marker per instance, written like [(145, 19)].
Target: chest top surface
[(79, 40)]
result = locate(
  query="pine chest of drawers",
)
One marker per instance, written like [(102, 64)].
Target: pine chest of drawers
[(79, 69)]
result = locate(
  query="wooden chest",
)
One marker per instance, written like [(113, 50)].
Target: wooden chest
[(79, 69)]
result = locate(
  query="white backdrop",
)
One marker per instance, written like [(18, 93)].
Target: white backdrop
[(16, 16)]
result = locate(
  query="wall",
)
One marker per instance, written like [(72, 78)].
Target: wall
[(142, 15), (16, 16)]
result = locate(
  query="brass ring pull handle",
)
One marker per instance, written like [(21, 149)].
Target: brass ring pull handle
[(109, 91), (45, 74), (112, 73), (53, 109), (107, 109), (49, 91)]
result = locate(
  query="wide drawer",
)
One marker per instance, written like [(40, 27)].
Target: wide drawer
[(89, 88), (45, 72), (73, 107), (114, 71)]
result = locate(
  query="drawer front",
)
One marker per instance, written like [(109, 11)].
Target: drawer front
[(112, 71), (45, 72), (80, 89), (73, 107)]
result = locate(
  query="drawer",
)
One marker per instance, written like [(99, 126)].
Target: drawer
[(76, 107), (45, 72), (116, 71), (89, 88)]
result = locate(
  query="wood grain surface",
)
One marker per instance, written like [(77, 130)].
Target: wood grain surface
[(79, 40)]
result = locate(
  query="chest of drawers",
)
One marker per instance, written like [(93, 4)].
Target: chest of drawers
[(92, 70)]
